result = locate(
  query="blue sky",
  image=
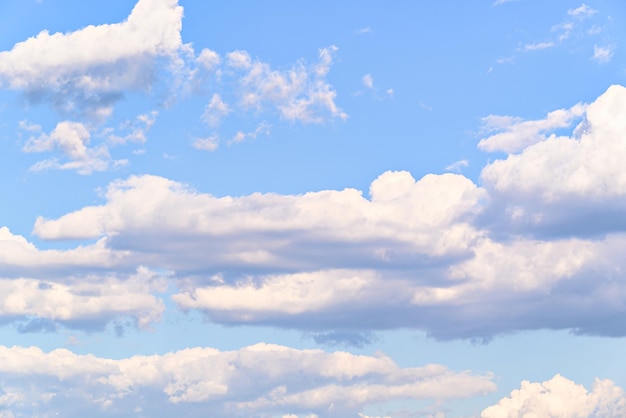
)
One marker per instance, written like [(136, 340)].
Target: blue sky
[(324, 209)]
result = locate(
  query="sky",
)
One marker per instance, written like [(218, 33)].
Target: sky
[(312, 209)]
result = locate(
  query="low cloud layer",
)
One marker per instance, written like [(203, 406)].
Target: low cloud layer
[(253, 381), (439, 254)]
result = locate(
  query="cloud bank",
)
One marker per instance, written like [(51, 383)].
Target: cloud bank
[(258, 380)]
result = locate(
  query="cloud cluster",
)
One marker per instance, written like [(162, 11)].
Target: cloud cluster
[(577, 25), (300, 93), (83, 74), (439, 253), (560, 397), (253, 381)]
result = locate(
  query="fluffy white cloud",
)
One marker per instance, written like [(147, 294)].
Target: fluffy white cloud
[(561, 398), (298, 94), (72, 140), (575, 180), (420, 254), (514, 134), (251, 381), (81, 302), (87, 70), (86, 287), (404, 218), (215, 111)]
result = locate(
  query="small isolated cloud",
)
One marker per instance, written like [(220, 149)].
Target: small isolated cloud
[(71, 140), (364, 30), (457, 166), (258, 380), (262, 129), (501, 2), (368, 81), (603, 54), (539, 46), (206, 144), (560, 397), (583, 11)]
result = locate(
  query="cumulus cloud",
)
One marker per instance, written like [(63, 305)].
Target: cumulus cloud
[(72, 140), (253, 381), (413, 255), (535, 247), (514, 134), (86, 71), (85, 287), (560, 397), (300, 93), (215, 111), (403, 217), (563, 182)]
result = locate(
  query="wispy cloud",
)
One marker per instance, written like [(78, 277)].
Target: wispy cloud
[(501, 2), (603, 54), (368, 81)]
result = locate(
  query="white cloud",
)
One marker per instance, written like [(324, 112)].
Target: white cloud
[(239, 59), (457, 166), (138, 129), (603, 54), (251, 381), (565, 180), (583, 11), (299, 94), (207, 144), (262, 128), (436, 204), (537, 247), (86, 71), (71, 139), (514, 134), (561, 398), (84, 287), (215, 111), (94, 301), (368, 81), (539, 45), (501, 2), (209, 59)]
